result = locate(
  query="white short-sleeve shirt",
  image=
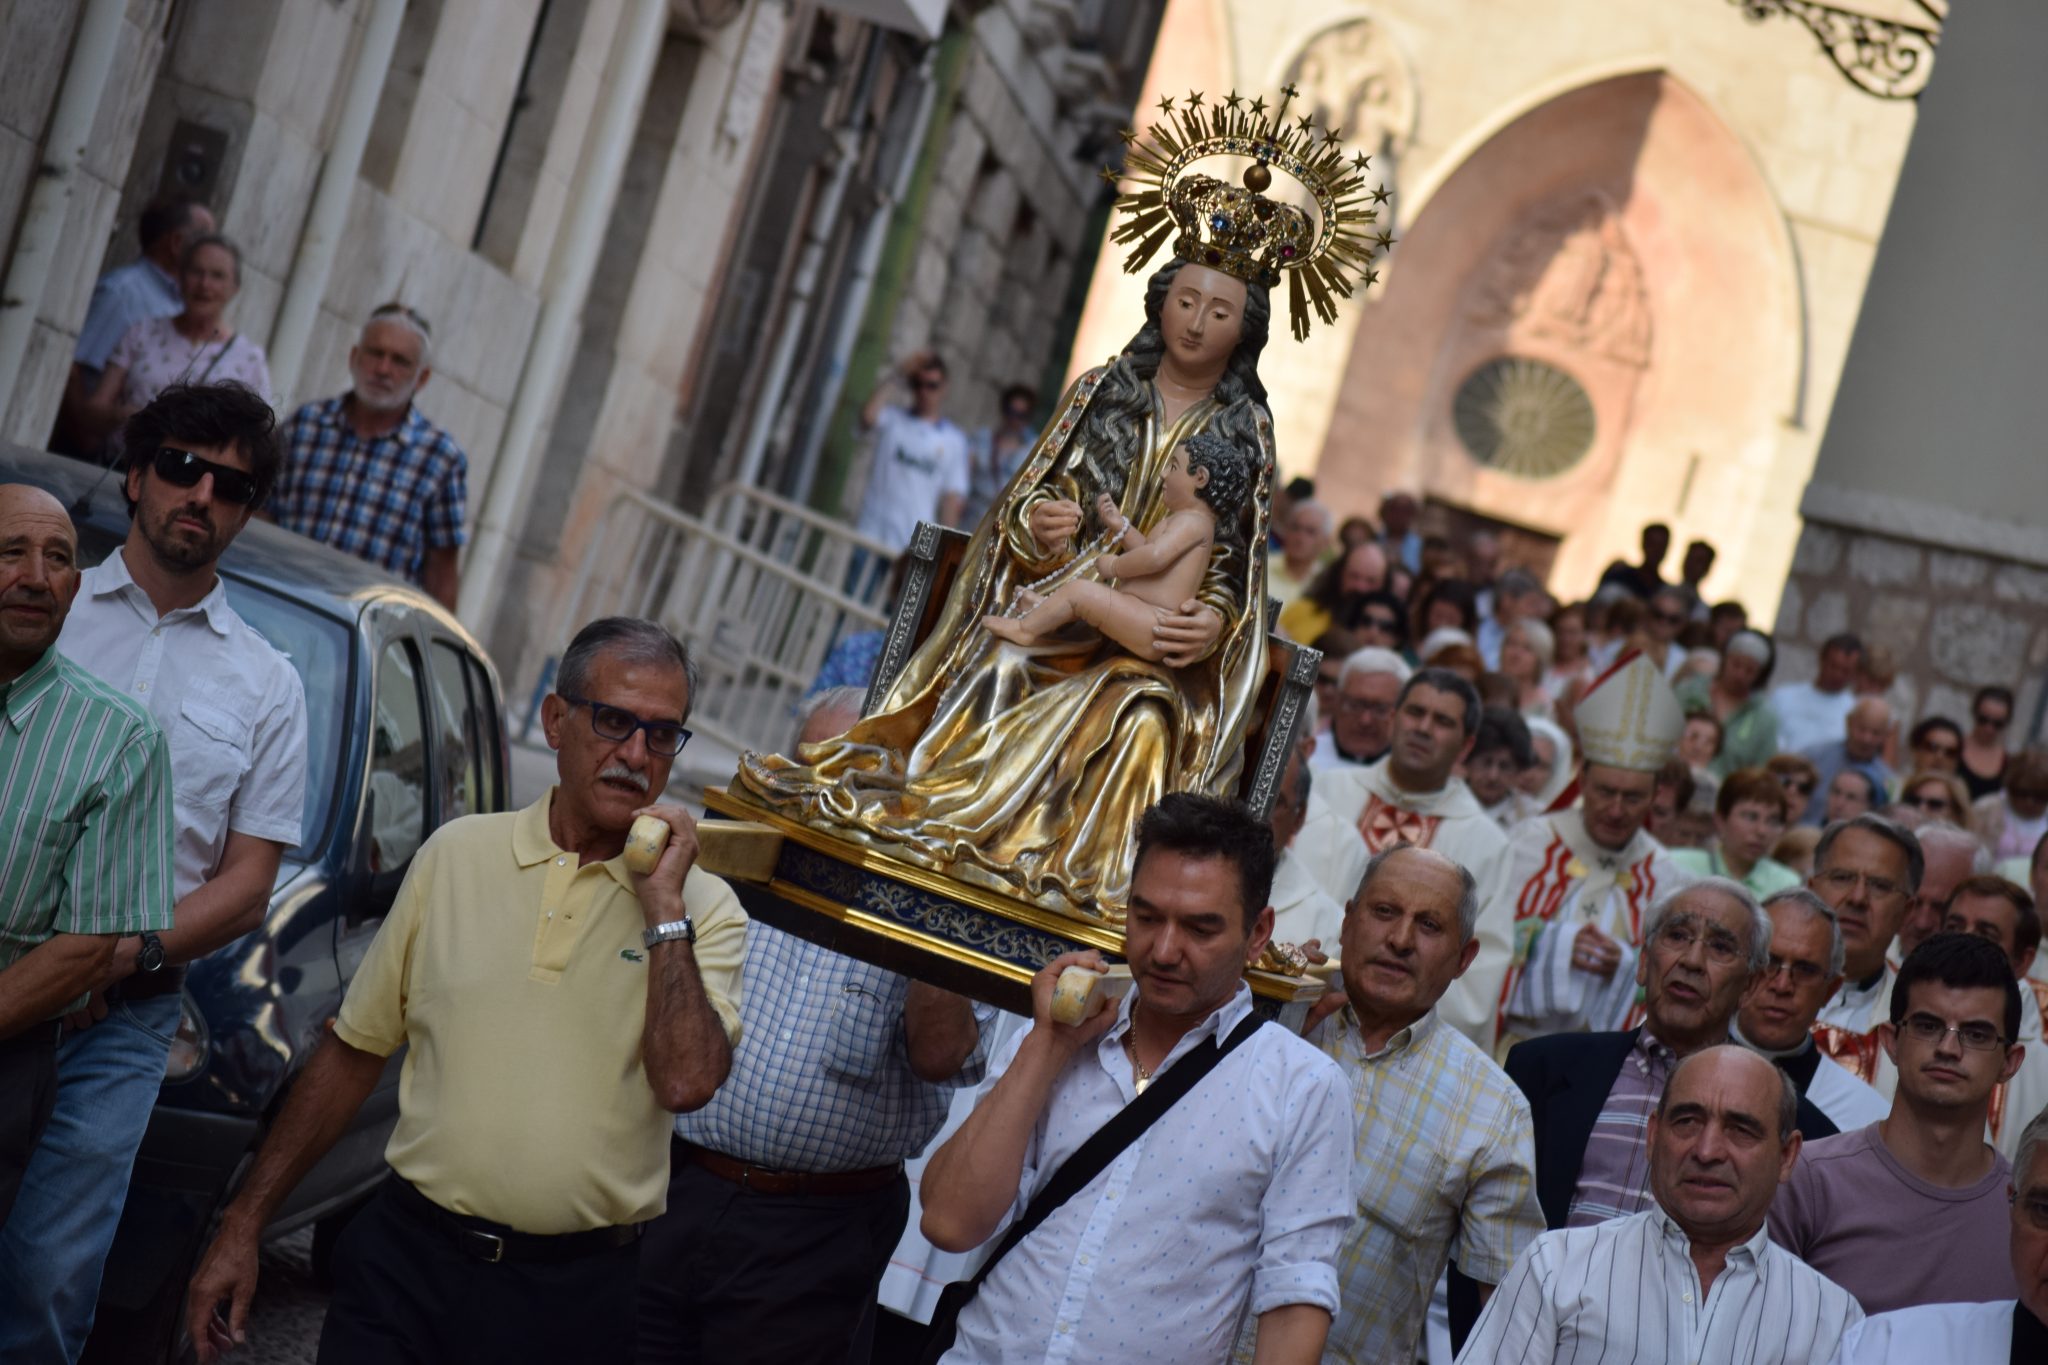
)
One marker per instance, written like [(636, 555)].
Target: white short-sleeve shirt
[(231, 706), (917, 461)]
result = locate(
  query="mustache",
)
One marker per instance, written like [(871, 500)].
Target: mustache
[(624, 774)]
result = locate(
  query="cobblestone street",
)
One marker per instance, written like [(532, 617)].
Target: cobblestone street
[(284, 1325)]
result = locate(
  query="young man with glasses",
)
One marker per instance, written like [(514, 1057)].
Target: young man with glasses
[(557, 1008), (1912, 1209), (154, 622), (1988, 1333), (1776, 1019), (1867, 870), (920, 469), (367, 473)]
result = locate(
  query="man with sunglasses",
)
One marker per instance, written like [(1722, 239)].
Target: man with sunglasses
[(1776, 1018), (920, 469), (1912, 1209), (154, 622), (1997, 1332), (367, 473), (556, 1009)]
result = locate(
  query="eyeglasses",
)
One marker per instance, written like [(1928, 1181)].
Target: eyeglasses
[(1843, 880), (1995, 722), (1679, 936), (1941, 750), (1936, 802), (1797, 784), (615, 723), (1359, 706), (183, 469), (927, 384), (1669, 618), (1803, 973), (1976, 1034), (1386, 625)]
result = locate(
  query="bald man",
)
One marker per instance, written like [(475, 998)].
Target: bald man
[(1861, 747), (87, 855), (1695, 1276)]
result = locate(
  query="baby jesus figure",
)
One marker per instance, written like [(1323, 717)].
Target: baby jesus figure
[(1206, 483)]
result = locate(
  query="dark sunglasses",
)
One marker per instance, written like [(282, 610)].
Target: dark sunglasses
[(1995, 722), (1386, 624), (927, 385), (1669, 618), (183, 469), (616, 723)]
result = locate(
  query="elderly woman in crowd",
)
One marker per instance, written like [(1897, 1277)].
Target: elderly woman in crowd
[(1936, 796), (1734, 696), (1525, 656)]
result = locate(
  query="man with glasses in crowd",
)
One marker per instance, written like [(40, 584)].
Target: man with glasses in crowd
[(368, 474), (1910, 1210), (1589, 1093), (1867, 870), (2007, 917), (1999, 1332), (920, 466), (1362, 719), (556, 1009), (154, 622), (1776, 1018)]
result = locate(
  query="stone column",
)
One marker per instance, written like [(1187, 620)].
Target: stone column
[(1927, 516)]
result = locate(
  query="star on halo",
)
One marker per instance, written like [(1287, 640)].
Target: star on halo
[(1380, 195)]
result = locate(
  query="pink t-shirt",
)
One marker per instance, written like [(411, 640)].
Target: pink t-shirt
[(1853, 1213), (156, 357)]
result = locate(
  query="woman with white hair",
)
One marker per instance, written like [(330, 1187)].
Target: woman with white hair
[(1552, 770), (1525, 656), (1735, 697)]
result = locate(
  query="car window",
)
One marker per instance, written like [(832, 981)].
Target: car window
[(455, 722), (319, 647), (396, 806), (490, 732)]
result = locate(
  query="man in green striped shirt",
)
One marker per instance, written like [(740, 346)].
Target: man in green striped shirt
[(85, 820)]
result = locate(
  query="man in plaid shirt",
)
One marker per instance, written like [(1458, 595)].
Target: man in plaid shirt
[(366, 473)]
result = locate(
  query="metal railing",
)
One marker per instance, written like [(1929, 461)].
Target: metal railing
[(757, 589)]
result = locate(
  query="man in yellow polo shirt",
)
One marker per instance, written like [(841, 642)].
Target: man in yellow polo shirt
[(532, 1138)]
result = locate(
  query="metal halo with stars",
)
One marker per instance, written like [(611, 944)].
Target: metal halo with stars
[(1190, 132)]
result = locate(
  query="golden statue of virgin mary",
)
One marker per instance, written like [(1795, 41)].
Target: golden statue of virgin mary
[(1023, 768)]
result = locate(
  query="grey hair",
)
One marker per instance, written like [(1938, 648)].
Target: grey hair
[(1322, 510), (1541, 641), (1942, 832), (198, 244), (1759, 922), (1468, 889), (632, 639), (1814, 905), (408, 319), (1788, 1093), (2031, 1137), (1891, 831), (1374, 659), (832, 701)]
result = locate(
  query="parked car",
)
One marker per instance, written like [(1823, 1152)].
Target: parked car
[(405, 730)]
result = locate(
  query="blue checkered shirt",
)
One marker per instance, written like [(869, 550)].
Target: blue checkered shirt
[(821, 1080), (389, 500)]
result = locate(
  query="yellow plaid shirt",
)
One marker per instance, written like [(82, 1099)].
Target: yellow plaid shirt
[(1444, 1169)]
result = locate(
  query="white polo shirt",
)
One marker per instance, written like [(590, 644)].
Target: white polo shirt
[(230, 705)]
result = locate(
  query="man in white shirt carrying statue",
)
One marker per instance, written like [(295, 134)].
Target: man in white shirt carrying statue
[(1580, 881)]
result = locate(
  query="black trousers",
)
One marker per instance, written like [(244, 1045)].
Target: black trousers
[(730, 1275), (405, 1294), (28, 1091)]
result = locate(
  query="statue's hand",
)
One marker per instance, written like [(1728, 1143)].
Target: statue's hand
[(1110, 515), (1105, 565), (1054, 523), (1188, 634)]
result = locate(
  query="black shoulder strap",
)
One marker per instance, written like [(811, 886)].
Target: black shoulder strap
[(1109, 1141)]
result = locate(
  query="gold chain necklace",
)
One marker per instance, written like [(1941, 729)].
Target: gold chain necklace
[(1144, 1077)]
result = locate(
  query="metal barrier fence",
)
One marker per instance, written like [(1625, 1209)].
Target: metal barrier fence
[(758, 590)]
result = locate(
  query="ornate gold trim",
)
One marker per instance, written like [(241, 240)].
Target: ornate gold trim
[(896, 933)]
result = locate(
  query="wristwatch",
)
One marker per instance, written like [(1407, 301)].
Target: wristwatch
[(150, 957), (668, 933)]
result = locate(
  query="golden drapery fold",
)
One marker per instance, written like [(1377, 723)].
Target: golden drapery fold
[(1024, 769)]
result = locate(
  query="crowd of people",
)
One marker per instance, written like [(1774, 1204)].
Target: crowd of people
[(1673, 1016)]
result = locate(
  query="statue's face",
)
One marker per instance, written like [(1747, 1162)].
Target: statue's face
[(1203, 318)]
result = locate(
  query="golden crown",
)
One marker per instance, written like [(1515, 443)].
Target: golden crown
[(1240, 231)]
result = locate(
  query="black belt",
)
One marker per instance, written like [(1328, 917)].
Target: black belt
[(147, 985), (40, 1037), (494, 1242)]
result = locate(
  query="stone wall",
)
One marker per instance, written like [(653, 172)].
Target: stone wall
[(1953, 619)]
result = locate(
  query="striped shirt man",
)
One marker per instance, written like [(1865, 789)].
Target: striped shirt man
[(1444, 1167), (1628, 1290), (85, 811), (388, 500)]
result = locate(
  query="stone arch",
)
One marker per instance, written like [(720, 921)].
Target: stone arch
[(1616, 234)]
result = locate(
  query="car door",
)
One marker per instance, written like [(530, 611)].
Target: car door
[(398, 802)]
